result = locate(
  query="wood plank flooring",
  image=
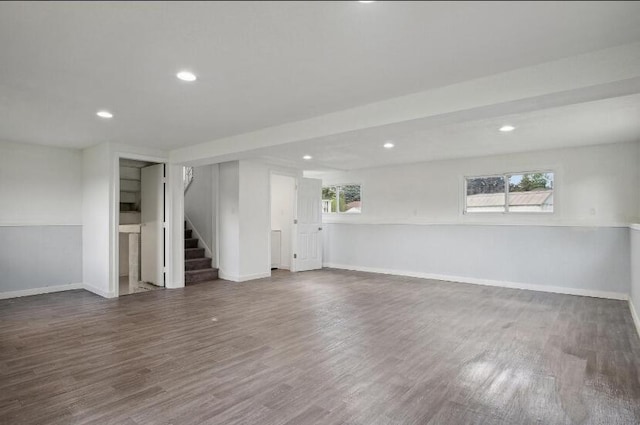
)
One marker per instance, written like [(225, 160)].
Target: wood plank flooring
[(326, 347)]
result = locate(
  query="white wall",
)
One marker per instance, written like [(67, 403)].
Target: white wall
[(255, 220), (96, 213), (199, 204), (412, 222), (229, 220), (283, 190), (578, 260), (635, 263), (245, 219), (635, 272), (40, 219), (100, 211), (40, 185), (593, 185)]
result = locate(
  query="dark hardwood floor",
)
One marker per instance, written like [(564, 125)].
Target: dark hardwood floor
[(326, 347)]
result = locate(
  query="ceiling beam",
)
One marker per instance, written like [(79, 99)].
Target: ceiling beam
[(598, 75)]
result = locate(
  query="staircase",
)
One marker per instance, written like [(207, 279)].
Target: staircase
[(197, 267)]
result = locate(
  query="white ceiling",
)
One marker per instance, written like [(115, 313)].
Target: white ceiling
[(265, 63), (615, 120)]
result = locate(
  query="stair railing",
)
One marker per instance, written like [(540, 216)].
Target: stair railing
[(187, 177)]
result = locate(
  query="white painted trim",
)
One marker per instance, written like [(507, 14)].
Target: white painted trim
[(296, 176), (401, 221), (487, 282), (38, 291), (175, 236), (207, 250), (121, 152), (100, 292), (236, 278), (634, 226), (634, 315)]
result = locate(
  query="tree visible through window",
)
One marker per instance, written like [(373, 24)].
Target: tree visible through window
[(525, 192), (341, 198)]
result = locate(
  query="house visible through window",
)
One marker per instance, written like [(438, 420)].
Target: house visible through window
[(517, 192), (341, 199)]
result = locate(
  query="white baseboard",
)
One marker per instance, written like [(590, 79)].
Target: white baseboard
[(100, 292), (634, 315), (175, 285), (243, 278), (488, 282), (207, 250), (38, 291)]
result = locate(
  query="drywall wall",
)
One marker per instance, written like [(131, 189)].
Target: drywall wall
[(40, 185), (97, 206), (245, 219), (582, 260), (412, 222), (229, 220), (100, 185), (635, 272), (40, 219), (594, 185), (34, 258), (634, 254), (283, 190), (199, 204), (255, 220)]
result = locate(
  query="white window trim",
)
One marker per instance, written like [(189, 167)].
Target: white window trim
[(338, 195), (507, 176)]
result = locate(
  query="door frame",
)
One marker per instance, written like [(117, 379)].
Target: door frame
[(169, 251), (294, 226)]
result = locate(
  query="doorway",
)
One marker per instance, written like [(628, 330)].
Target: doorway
[(283, 199), (141, 230)]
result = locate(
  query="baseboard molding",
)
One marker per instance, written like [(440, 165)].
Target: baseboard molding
[(207, 250), (243, 278), (356, 219), (175, 285), (634, 315), (100, 292), (38, 291), (487, 282)]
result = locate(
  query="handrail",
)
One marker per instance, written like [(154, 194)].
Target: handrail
[(187, 177)]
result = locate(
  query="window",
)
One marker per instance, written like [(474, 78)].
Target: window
[(341, 199), (507, 193)]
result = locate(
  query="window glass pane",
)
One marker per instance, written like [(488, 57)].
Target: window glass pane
[(531, 192), (349, 199), (341, 199), (329, 203), (485, 194)]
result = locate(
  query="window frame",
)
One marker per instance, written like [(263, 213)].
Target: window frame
[(338, 197), (507, 176)]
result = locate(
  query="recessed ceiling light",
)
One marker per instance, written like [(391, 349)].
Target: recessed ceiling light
[(507, 128), (388, 145), (307, 157), (104, 114), (186, 76)]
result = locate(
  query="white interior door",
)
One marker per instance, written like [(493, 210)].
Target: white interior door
[(308, 250), (152, 220)]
